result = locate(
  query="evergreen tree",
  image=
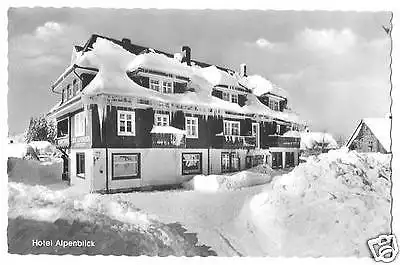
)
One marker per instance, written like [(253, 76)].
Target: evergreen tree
[(41, 129)]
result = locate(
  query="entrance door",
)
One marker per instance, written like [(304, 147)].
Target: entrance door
[(276, 160), (255, 128)]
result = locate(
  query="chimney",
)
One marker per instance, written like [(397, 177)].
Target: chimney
[(243, 70), (126, 43), (187, 57)]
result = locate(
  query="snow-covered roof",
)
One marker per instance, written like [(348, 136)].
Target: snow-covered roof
[(153, 60), (113, 62), (260, 86), (380, 127), (310, 139)]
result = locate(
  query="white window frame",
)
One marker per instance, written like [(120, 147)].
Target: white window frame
[(158, 117), (125, 119), (228, 128), (153, 85), (274, 104), (167, 87), (192, 127), (80, 124), (234, 98), (226, 96), (278, 129)]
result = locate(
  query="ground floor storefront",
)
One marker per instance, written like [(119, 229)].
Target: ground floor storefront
[(119, 169)]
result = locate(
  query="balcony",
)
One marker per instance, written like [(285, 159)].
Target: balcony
[(168, 140), (63, 142), (235, 142), (282, 141)]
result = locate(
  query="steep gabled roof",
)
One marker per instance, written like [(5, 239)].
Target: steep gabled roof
[(380, 128)]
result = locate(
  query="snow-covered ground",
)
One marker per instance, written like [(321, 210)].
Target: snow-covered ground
[(327, 206)]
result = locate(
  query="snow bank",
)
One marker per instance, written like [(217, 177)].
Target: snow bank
[(310, 139), (43, 147), (34, 172), (328, 206), (21, 150), (116, 225), (212, 183)]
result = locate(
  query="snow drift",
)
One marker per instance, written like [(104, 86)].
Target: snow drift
[(117, 227), (328, 206), (258, 175)]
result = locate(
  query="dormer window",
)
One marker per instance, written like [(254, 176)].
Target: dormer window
[(234, 98), (69, 91), (155, 84), (167, 87), (274, 104), (75, 87), (231, 97)]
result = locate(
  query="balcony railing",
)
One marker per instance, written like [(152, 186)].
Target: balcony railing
[(282, 141), (168, 140), (63, 142), (235, 142)]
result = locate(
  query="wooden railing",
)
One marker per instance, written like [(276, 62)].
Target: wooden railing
[(282, 141), (235, 142), (168, 140)]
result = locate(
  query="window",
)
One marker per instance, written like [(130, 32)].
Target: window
[(161, 119), (64, 95), (155, 84), (225, 163), (80, 124), (80, 165), (278, 129), (192, 128), (62, 128), (274, 104), (191, 163), (69, 91), (167, 87), (225, 96), (126, 123), (75, 87), (125, 166), (230, 162), (231, 128), (234, 98)]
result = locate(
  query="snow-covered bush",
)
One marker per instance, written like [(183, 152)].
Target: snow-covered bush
[(329, 206)]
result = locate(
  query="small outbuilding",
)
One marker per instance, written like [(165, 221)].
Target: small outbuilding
[(371, 135)]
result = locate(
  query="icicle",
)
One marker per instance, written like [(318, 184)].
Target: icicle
[(102, 111)]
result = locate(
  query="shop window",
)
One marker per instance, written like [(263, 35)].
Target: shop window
[(125, 166), (191, 163), (230, 162)]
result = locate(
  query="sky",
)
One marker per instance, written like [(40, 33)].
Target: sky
[(334, 65)]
